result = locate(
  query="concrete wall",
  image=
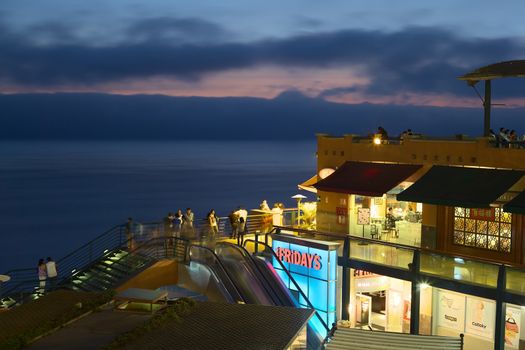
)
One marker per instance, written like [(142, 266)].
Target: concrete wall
[(162, 273)]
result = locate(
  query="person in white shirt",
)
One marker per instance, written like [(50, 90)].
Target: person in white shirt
[(51, 269)]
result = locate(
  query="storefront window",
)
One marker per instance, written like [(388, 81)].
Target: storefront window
[(448, 313), (379, 302), (483, 228), (390, 219), (514, 321)]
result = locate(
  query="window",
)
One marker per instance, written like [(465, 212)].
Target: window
[(483, 228)]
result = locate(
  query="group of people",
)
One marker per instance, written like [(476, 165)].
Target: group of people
[(182, 224), (383, 134), (47, 270), (506, 138), (238, 220), (179, 224)]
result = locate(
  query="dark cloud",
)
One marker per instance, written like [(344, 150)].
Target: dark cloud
[(412, 60), (52, 33), (182, 30)]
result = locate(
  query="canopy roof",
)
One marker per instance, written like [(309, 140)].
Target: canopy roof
[(461, 186), (308, 185), (516, 205), (496, 70), (367, 179)]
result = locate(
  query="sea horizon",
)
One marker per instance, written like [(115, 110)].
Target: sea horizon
[(57, 195)]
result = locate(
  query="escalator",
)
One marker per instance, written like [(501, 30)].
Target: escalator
[(207, 274), (256, 275), (243, 277)]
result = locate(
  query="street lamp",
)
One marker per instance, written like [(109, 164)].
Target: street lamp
[(298, 197)]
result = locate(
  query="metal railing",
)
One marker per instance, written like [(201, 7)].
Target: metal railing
[(269, 250), (25, 281)]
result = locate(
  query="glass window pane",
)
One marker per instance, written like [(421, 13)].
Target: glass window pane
[(470, 225), (459, 237), (459, 224)]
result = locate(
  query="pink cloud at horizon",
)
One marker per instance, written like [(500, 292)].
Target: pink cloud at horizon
[(268, 82)]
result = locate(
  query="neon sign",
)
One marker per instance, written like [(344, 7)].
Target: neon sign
[(298, 258)]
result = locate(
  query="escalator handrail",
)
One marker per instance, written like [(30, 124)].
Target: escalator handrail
[(292, 280), (254, 270), (239, 295)]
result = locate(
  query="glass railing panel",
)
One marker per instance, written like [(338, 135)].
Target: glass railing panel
[(381, 254), (515, 280), (400, 232), (460, 269)]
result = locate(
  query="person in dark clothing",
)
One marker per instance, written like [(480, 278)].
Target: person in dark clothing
[(381, 131), (234, 223), (129, 233), (169, 229)]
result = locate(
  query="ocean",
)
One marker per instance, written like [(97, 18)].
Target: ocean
[(57, 195)]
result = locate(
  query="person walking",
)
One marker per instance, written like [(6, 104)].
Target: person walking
[(52, 274), (42, 276)]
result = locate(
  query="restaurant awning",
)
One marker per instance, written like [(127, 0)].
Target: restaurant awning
[(308, 185), (367, 179), (516, 205), (460, 186)]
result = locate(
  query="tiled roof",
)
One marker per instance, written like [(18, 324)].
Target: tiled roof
[(229, 326)]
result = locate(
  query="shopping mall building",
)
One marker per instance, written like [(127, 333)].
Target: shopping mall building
[(433, 234)]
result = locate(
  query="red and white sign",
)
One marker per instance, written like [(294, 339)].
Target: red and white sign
[(483, 214), (299, 258)]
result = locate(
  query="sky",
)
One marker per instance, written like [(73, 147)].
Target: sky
[(386, 52)]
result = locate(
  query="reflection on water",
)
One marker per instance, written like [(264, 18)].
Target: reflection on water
[(55, 196)]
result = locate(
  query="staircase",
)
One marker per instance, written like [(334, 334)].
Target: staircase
[(109, 271)]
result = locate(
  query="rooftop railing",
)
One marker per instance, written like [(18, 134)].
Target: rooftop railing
[(25, 281)]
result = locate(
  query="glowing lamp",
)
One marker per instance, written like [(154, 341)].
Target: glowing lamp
[(377, 140)]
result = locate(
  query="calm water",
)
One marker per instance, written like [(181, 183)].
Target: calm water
[(55, 196)]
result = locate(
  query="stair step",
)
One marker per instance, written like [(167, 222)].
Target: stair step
[(109, 271)]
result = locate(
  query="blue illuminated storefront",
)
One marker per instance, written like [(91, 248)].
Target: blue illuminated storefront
[(313, 265)]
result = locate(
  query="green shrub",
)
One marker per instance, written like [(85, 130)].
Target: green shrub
[(25, 337), (175, 312)]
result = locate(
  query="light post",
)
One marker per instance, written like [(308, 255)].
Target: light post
[(298, 197)]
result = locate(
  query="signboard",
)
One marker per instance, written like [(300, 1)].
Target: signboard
[(363, 273), (480, 317), (451, 310), (483, 214), (341, 211), (512, 327), (312, 265), (363, 216), (299, 258)]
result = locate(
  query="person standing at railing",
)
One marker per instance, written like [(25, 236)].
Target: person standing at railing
[(234, 223), (52, 274), (130, 233), (169, 229), (213, 223), (187, 222), (242, 230), (42, 276), (179, 217)]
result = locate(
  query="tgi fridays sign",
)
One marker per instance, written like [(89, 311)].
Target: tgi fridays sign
[(311, 261)]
